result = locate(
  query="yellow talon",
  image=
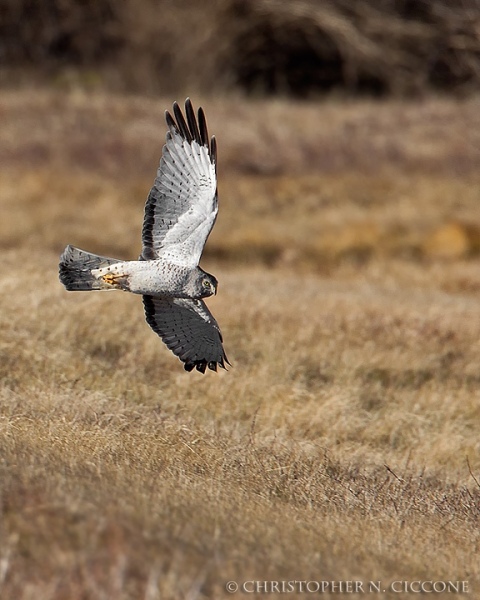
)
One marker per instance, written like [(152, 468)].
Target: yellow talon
[(110, 278), (116, 280)]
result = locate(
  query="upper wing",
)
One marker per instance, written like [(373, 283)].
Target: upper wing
[(188, 329), (182, 205)]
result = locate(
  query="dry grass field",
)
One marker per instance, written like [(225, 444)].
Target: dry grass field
[(343, 444)]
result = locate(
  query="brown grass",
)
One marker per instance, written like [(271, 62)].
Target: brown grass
[(342, 445)]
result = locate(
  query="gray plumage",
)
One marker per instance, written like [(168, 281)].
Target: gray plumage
[(76, 269), (180, 212)]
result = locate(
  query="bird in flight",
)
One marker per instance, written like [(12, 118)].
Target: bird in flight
[(180, 212)]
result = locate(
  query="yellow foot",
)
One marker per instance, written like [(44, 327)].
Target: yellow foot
[(112, 279)]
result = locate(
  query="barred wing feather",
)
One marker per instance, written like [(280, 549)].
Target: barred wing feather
[(182, 205), (188, 329)]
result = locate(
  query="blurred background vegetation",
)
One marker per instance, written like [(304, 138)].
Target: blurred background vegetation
[(296, 48)]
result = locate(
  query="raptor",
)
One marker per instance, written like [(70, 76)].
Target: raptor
[(180, 212)]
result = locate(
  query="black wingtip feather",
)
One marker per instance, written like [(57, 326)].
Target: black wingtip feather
[(181, 123), (213, 150), (192, 121), (171, 122), (193, 128), (202, 122), (201, 366)]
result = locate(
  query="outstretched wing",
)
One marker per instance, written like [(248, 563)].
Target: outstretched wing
[(182, 205), (188, 329)]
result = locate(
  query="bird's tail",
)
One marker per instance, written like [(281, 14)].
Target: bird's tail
[(76, 266)]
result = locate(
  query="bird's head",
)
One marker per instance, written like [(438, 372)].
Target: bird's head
[(201, 284), (208, 285)]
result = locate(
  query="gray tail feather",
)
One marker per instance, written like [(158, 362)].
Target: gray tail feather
[(76, 266)]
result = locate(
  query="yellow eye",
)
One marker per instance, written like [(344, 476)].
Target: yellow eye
[(206, 283)]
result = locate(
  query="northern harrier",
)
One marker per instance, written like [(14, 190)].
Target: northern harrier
[(179, 214)]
